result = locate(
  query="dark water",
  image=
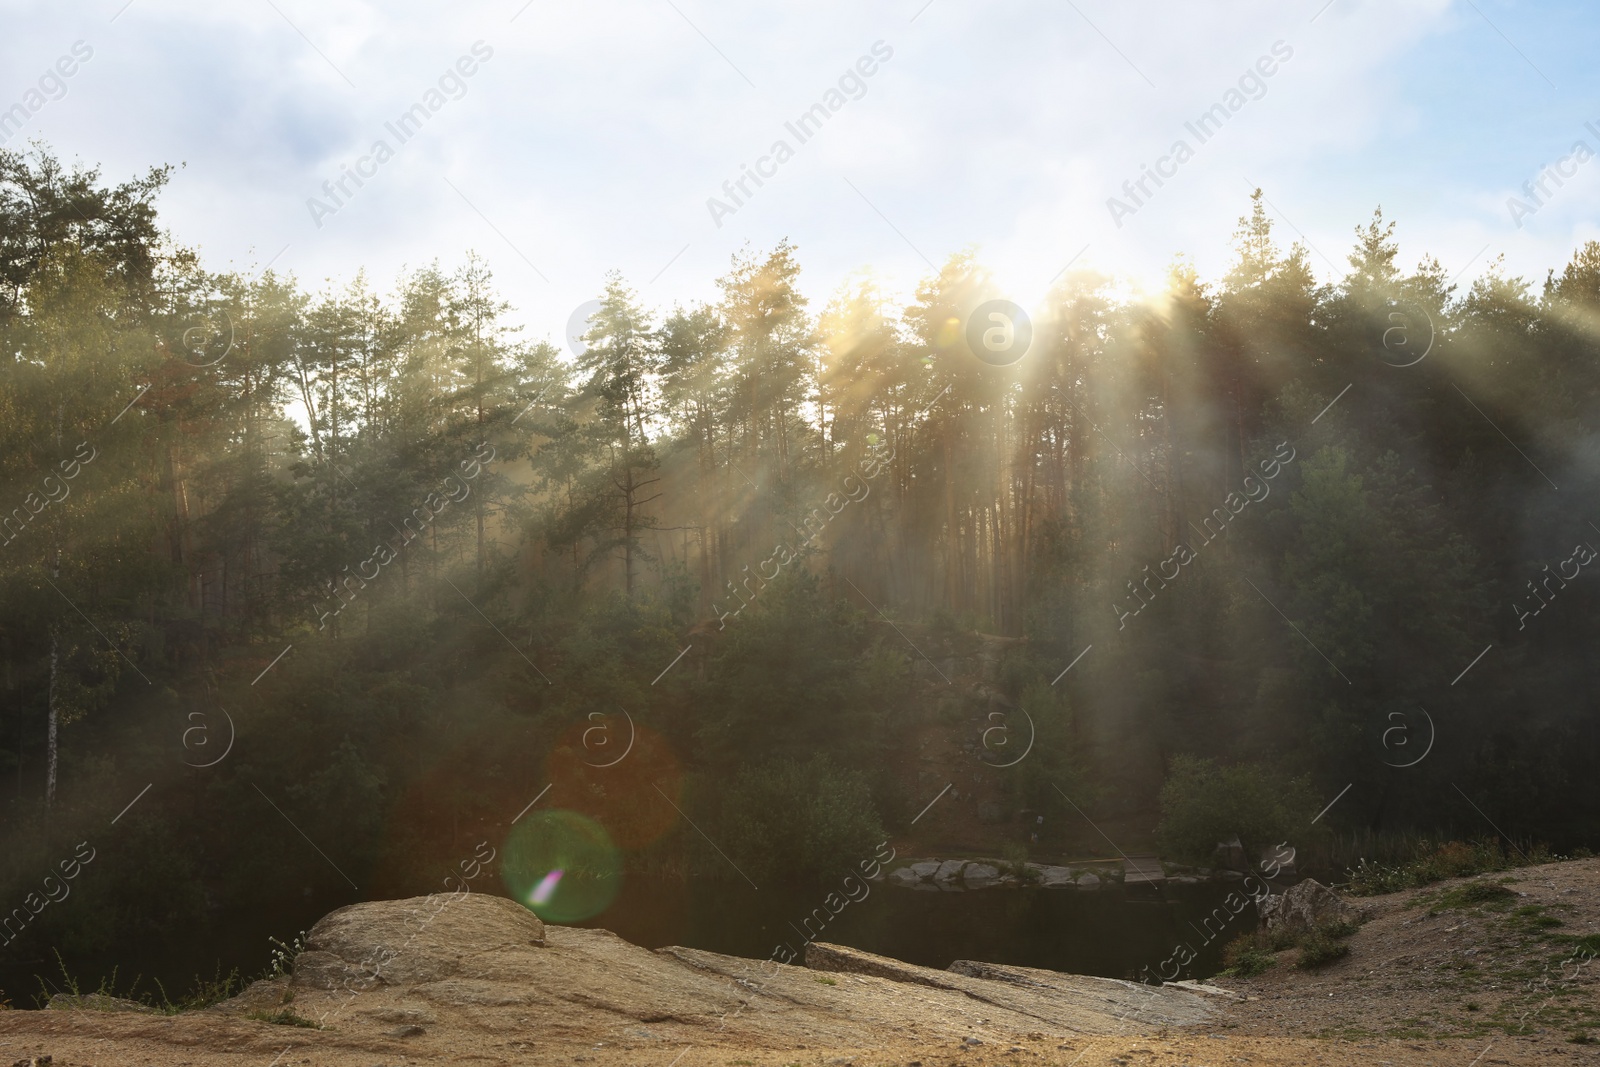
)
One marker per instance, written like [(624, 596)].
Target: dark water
[(1109, 932)]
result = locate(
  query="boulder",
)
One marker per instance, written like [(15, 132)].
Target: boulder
[(949, 870), (925, 868), (1304, 908), (980, 875), (1053, 876), (904, 876), (1088, 881)]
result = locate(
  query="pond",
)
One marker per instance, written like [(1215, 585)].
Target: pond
[(1111, 932)]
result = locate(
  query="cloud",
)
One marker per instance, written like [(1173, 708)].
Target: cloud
[(593, 138)]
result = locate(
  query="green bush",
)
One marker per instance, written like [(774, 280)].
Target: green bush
[(1246, 957), (1203, 803), (1318, 949), (809, 820)]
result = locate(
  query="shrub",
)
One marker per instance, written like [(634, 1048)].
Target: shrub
[(1203, 803), (1453, 859), (1319, 949), (1340, 929), (809, 820), (1246, 957)]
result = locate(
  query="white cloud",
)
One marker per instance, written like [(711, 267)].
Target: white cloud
[(593, 137)]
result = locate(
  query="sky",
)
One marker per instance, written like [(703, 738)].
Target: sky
[(598, 136)]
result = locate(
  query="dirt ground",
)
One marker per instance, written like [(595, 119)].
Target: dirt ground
[(1437, 976)]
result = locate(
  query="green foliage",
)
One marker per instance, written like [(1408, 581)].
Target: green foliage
[(790, 680), (1434, 863), (1203, 803), (808, 820), (1488, 895), (204, 992), (1319, 949), (1245, 957)]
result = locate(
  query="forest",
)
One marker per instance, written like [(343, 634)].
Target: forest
[(368, 568)]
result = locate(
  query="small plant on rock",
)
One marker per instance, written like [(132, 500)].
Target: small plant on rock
[(283, 955)]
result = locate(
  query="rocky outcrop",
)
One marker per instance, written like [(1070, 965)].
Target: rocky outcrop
[(1305, 907), (431, 965), (475, 978)]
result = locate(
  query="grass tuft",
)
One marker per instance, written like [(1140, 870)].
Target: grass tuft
[(1246, 957), (1319, 949)]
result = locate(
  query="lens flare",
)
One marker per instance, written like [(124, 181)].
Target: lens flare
[(562, 866), (545, 889)]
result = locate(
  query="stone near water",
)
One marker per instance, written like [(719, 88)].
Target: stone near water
[(1054, 876), (949, 870), (904, 876), (925, 868), (1088, 881), (980, 875), (1306, 907)]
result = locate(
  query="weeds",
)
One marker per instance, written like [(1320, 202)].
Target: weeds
[(1245, 957), (1488, 895), (206, 992), (283, 955), (1251, 954), (1320, 948), (1427, 864)]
